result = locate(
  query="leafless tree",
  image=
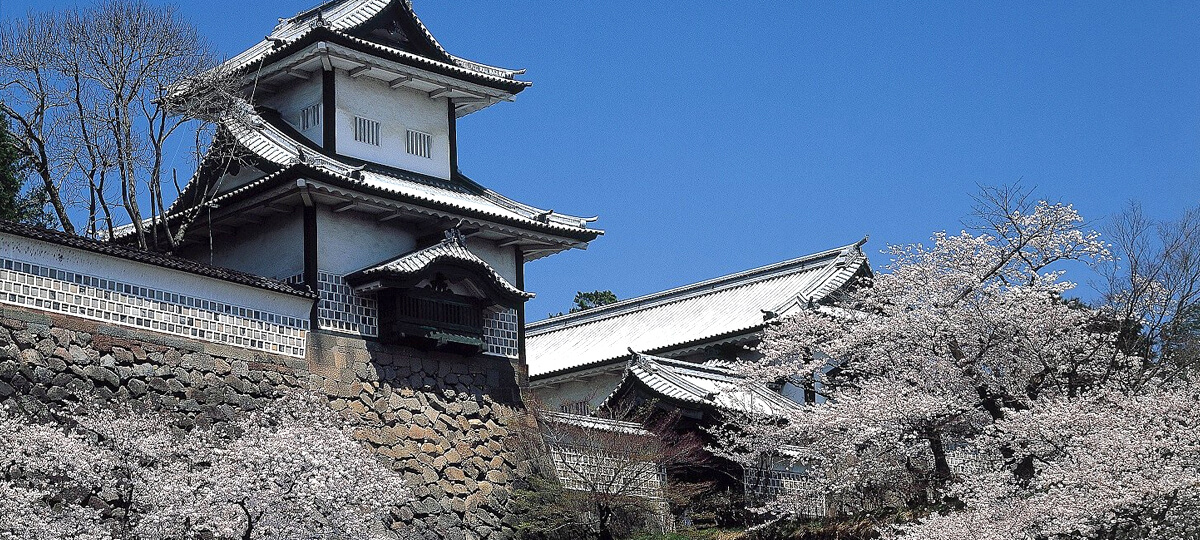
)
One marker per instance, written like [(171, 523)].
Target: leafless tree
[(1153, 287), (102, 97), (615, 473)]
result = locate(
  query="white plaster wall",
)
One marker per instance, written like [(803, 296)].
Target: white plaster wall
[(503, 259), (244, 176), (350, 241), (297, 95), (273, 249), (593, 390), (396, 111), (145, 275)]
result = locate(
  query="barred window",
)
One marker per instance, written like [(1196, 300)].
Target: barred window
[(366, 131), (419, 143), (582, 408), (310, 117)]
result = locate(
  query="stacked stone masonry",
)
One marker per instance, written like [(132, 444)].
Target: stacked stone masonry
[(448, 423)]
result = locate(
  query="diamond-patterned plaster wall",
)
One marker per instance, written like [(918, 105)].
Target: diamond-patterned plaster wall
[(110, 300)]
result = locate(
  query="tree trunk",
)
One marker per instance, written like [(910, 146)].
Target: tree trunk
[(941, 468)]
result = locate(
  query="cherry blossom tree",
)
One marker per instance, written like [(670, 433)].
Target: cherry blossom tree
[(962, 379), (289, 471)]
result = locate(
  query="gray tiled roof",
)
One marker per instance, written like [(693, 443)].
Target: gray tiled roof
[(451, 249), (724, 306), (286, 153), (703, 385), (341, 16), (152, 258), (593, 422)]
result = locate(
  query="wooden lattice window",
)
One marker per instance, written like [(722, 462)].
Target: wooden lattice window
[(366, 131), (310, 117), (419, 143)]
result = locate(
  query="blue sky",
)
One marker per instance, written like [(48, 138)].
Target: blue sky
[(712, 137)]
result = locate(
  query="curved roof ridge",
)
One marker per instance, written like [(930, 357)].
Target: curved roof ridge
[(520, 207), (670, 378), (728, 281), (452, 248), (339, 16)]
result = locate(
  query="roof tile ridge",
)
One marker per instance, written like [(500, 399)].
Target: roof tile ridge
[(454, 247), (507, 73), (653, 366), (300, 151), (668, 346), (327, 14), (685, 292), (841, 274), (718, 375), (154, 258), (426, 59), (515, 205), (478, 67)]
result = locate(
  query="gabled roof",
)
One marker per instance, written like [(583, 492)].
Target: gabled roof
[(694, 314), (596, 423), (344, 20), (288, 156), (152, 258), (451, 250), (701, 385)]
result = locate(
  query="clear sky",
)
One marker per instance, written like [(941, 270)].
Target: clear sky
[(712, 137)]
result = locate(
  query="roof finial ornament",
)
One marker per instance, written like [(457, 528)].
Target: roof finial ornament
[(456, 236)]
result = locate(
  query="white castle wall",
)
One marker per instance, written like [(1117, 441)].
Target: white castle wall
[(273, 249), (51, 277), (395, 110), (297, 95)]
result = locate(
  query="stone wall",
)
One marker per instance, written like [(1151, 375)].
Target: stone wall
[(448, 422)]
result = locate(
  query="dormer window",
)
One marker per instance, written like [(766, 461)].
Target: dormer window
[(419, 143), (443, 297), (366, 131), (310, 117)]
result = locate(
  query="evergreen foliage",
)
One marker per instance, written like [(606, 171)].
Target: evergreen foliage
[(16, 202), (589, 300)]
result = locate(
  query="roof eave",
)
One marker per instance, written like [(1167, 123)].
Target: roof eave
[(707, 340), (152, 258), (703, 287), (253, 66), (316, 177)]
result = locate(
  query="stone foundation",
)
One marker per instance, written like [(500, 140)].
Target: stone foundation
[(447, 422)]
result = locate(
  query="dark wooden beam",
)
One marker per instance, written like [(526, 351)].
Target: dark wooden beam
[(452, 122), (310, 259), (399, 81), (522, 362), (344, 207), (329, 112), (221, 229), (391, 216)]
